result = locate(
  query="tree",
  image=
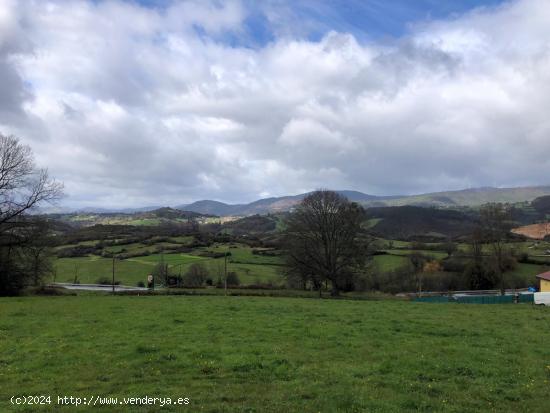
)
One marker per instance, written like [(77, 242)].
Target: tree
[(23, 238), (418, 261), (324, 240), (233, 279), (195, 276), (476, 272), (160, 272), (22, 186), (495, 225), (450, 248)]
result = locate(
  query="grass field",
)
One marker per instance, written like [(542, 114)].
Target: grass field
[(251, 268), (385, 263), (237, 354)]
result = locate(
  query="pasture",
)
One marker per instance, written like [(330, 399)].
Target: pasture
[(257, 269), (242, 354), (251, 268)]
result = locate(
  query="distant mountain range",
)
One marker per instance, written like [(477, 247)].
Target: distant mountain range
[(266, 205), (448, 199), (461, 198)]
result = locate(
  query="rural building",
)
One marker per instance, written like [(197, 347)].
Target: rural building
[(544, 282)]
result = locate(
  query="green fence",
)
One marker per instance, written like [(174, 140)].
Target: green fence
[(526, 298), (435, 299), (485, 299)]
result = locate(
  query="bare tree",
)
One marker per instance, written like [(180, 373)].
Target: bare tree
[(23, 245), (324, 240), (195, 276), (495, 225), (22, 185), (475, 271)]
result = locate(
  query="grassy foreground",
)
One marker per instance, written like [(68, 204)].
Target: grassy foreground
[(242, 354)]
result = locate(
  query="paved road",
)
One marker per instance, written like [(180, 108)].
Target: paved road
[(96, 287)]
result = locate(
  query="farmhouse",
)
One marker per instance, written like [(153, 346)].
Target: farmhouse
[(544, 282)]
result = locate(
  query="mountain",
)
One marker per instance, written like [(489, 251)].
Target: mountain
[(267, 205), (473, 197), (212, 207), (462, 198), (420, 224)]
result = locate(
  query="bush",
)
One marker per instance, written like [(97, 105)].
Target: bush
[(213, 254), (396, 281), (233, 279), (454, 265), (174, 280), (195, 276), (77, 251), (106, 281)]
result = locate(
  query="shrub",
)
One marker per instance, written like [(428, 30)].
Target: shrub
[(106, 281), (233, 279), (77, 251), (454, 265), (195, 276)]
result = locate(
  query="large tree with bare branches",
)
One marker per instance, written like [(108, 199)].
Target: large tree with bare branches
[(324, 240), (23, 187), (495, 226)]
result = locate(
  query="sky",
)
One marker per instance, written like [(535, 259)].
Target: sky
[(134, 103)]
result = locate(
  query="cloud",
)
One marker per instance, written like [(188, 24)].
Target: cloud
[(132, 105)]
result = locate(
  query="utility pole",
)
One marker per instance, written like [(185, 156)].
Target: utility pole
[(163, 268), (225, 272), (113, 273)]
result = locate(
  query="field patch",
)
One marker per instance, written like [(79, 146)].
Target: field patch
[(534, 231), (237, 354)]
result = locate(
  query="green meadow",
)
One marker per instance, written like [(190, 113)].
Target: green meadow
[(250, 268), (243, 354)]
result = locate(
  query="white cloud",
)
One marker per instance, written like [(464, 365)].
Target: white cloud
[(135, 105)]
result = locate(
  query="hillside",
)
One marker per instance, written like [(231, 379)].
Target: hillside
[(448, 199), (534, 231), (155, 217), (418, 223), (473, 197)]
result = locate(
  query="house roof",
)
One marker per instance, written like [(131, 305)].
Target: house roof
[(544, 276)]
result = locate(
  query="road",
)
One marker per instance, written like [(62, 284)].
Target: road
[(96, 287)]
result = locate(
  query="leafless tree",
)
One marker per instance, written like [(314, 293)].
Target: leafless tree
[(495, 225), (324, 239), (23, 187)]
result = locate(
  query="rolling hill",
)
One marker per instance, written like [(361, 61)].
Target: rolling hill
[(154, 217), (448, 199)]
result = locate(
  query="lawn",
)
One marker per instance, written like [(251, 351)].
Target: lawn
[(386, 263), (242, 354)]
